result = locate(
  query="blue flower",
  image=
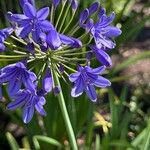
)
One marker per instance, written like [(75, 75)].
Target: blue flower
[(22, 2), (85, 80), (56, 40), (4, 33), (28, 101), (102, 56), (17, 75), (47, 82), (103, 32), (56, 3), (32, 21)]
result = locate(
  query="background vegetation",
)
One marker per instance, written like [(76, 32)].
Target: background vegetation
[(120, 119)]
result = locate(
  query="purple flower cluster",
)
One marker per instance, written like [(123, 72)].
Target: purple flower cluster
[(48, 52)]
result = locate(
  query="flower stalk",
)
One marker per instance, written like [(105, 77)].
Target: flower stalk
[(66, 116)]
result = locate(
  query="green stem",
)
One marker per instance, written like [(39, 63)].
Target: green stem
[(64, 18), (62, 9), (52, 14), (74, 54), (66, 117), (14, 46), (18, 40), (74, 12)]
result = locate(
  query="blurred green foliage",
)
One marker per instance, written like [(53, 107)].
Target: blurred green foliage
[(118, 126)]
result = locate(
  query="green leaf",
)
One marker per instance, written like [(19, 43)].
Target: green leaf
[(97, 143), (12, 142), (45, 139)]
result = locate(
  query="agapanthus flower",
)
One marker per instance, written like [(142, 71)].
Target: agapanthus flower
[(29, 101), (17, 75), (56, 40), (4, 33), (52, 48), (85, 80), (22, 2), (47, 82), (56, 3), (103, 31), (32, 21), (102, 56)]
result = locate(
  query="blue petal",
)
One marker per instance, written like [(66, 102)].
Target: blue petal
[(47, 82), (29, 10), (4, 77), (78, 88), (93, 8), (91, 93), (112, 32), (2, 47), (22, 2), (43, 13), (16, 17), (14, 86), (28, 114), (17, 103), (55, 3), (73, 77), (36, 35), (42, 100), (103, 57), (102, 82), (83, 16), (65, 39), (28, 82), (25, 31), (96, 71), (32, 76), (53, 40), (74, 4), (45, 25), (105, 42), (89, 25), (40, 109)]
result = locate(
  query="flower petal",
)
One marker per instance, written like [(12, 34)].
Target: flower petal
[(17, 103), (91, 93), (112, 32), (16, 17), (73, 77), (103, 57), (28, 114), (102, 82), (96, 71), (29, 10), (2, 47), (47, 82), (93, 8), (53, 40), (43, 13), (25, 31), (40, 109), (78, 88), (45, 25), (14, 86)]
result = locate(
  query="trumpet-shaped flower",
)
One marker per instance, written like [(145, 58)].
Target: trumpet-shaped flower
[(17, 75), (85, 80), (4, 33), (32, 21), (28, 101), (103, 31)]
